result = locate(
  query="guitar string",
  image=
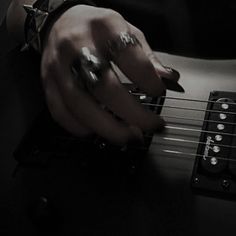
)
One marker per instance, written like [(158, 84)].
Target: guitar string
[(193, 155), (188, 108), (200, 120), (189, 99), (198, 130), (195, 142), (198, 100), (194, 130), (189, 154)]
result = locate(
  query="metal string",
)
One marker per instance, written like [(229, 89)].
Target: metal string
[(201, 120), (195, 142), (192, 155), (188, 99), (198, 130), (188, 108), (197, 100)]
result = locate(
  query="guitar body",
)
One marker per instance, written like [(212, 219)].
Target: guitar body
[(153, 195), (205, 214)]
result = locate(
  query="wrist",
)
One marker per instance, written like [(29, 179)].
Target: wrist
[(41, 16)]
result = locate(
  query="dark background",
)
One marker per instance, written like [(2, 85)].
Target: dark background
[(191, 28)]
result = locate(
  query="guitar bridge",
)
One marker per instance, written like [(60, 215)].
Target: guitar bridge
[(214, 170)]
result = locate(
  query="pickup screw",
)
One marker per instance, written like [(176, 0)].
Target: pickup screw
[(220, 127), (223, 116), (196, 180), (214, 161), (225, 106)]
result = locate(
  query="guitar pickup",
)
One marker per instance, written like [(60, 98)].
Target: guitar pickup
[(214, 170)]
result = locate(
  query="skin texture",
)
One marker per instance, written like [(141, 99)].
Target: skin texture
[(79, 110)]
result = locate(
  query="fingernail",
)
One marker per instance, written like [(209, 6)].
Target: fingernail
[(172, 85), (175, 75), (164, 71)]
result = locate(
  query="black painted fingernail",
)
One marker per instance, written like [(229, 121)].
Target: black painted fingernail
[(175, 75), (172, 85)]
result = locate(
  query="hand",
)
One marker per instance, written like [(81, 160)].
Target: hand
[(79, 110)]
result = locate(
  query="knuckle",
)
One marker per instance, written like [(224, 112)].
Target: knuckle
[(139, 33), (109, 14), (107, 18), (67, 40)]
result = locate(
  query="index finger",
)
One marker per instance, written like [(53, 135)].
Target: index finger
[(130, 57), (135, 64)]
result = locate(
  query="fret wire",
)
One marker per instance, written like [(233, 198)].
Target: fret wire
[(201, 120), (188, 108)]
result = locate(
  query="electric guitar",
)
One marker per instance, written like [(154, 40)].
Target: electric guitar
[(181, 182)]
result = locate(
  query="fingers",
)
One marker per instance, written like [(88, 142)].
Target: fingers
[(114, 95), (169, 76), (60, 113), (161, 70), (132, 60), (81, 112), (87, 111)]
